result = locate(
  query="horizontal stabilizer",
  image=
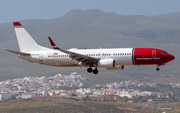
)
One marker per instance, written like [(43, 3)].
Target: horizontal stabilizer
[(17, 52)]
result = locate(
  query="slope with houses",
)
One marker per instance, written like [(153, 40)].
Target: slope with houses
[(70, 87)]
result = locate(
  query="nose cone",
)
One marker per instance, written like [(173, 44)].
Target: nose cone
[(171, 57)]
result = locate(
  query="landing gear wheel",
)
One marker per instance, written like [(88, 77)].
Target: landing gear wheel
[(157, 69), (89, 70), (95, 71)]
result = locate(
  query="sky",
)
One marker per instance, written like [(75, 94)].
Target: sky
[(16, 10)]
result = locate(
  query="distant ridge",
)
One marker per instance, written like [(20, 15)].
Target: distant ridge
[(171, 16)]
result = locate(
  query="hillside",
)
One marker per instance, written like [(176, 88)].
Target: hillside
[(93, 29), (172, 16)]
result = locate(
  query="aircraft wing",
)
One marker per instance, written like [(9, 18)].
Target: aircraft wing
[(85, 60), (17, 52)]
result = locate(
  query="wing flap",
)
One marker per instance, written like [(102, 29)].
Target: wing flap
[(75, 56)]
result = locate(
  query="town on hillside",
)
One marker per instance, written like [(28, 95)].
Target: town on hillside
[(71, 87)]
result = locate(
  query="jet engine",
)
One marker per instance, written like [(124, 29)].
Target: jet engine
[(106, 63)]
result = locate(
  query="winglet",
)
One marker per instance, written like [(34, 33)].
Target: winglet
[(16, 24), (52, 43)]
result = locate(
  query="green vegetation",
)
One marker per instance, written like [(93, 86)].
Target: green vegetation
[(173, 107), (30, 106)]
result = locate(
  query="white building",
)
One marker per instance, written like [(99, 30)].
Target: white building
[(26, 96), (146, 93), (5, 96)]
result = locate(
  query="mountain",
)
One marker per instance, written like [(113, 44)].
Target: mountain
[(171, 16), (93, 29)]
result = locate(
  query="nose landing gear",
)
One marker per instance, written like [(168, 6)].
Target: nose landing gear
[(157, 69)]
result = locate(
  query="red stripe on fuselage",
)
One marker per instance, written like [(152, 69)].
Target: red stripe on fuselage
[(149, 56)]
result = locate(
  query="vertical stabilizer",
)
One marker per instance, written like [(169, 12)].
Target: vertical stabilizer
[(25, 41)]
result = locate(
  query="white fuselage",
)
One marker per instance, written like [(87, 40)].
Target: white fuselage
[(122, 56)]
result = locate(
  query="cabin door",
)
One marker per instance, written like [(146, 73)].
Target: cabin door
[(41, 57)]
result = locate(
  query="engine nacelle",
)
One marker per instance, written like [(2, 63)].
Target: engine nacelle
[(116, 68), (106, 63)]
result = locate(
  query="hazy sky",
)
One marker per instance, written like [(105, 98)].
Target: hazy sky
[(15, 10)]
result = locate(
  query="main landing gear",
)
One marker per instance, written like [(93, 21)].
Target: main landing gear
[(90, 70)]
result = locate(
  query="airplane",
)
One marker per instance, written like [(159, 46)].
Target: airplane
[(111, 58)]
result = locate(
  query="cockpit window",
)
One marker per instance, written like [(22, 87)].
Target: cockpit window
[(164, 53)]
